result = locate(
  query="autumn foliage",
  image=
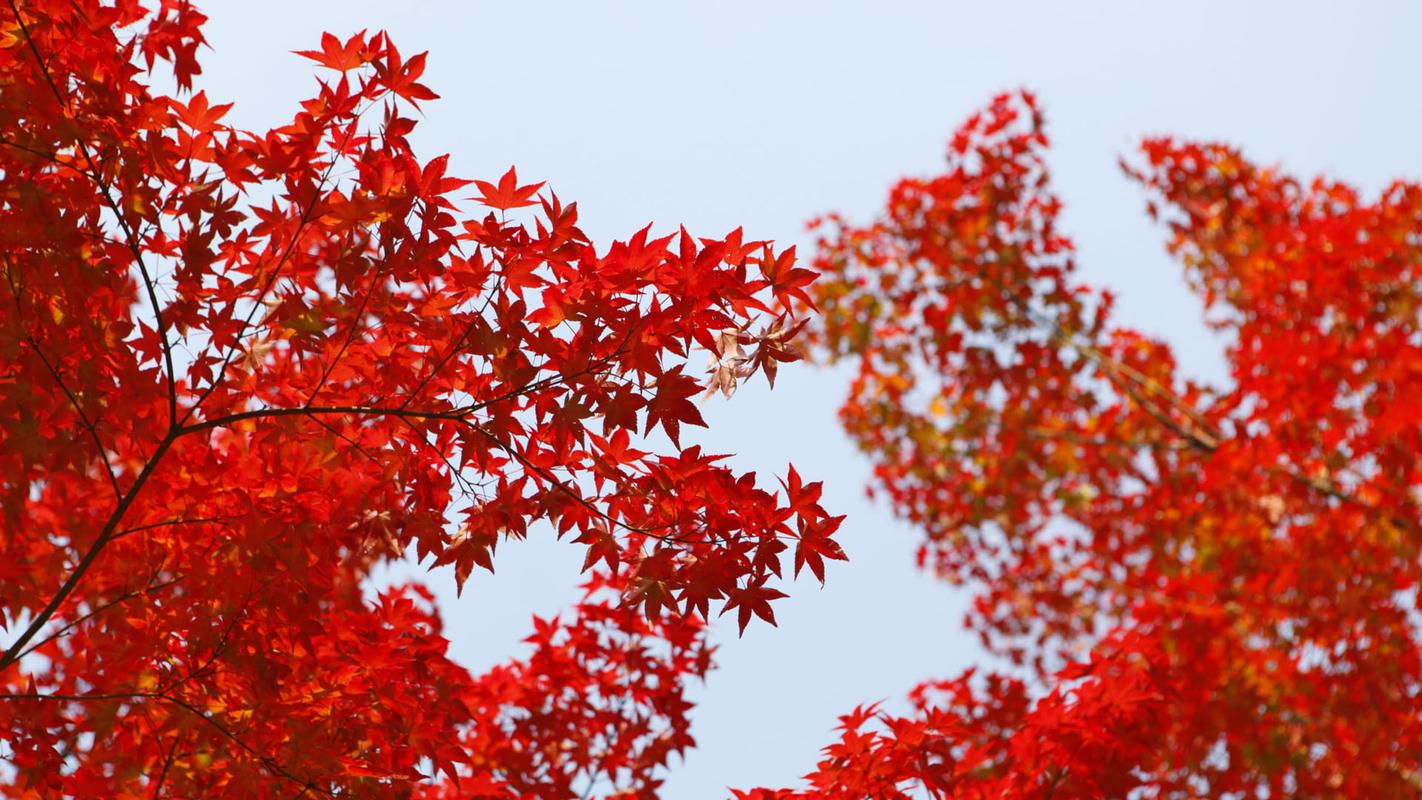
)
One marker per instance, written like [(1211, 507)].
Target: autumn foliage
[(1210, 591), (240, 369)]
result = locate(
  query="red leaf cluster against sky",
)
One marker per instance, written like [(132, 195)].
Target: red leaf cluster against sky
[(243, 368)]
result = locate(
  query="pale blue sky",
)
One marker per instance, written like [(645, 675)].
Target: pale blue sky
[(761, 114)]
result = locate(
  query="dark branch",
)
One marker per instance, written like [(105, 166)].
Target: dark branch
[(131, 238)]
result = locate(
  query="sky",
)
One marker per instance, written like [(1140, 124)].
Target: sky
[(762, 114)]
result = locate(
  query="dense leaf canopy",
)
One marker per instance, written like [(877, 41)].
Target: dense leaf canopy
[(1211, 590), (239, 369)]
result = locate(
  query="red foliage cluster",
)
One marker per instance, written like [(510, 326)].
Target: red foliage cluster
[(241, 368), (1241, 562)]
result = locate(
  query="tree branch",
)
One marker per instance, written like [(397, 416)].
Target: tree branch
[(97, 611), (132, 240), (84, 420), (276, 272), (12, 654), (267, 761)]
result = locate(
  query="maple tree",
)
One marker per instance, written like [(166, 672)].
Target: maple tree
[(1208, 591), (242, 368)]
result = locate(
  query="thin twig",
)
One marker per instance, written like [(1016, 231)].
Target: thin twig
[(133, 244), (77, 621)]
